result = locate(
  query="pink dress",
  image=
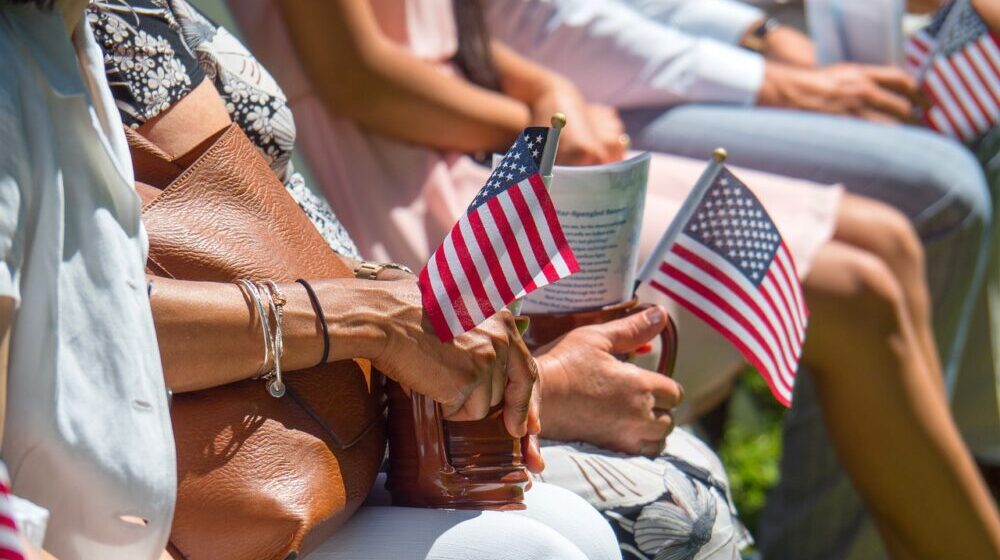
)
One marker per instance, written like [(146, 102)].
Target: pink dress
[(399, 200)]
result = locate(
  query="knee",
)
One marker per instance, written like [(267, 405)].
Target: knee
[(954, 172), (873, 302), (899, 245)]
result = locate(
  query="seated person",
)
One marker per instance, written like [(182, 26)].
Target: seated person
[(391, 138), (88, 432)]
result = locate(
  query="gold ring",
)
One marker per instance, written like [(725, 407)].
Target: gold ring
[(625, 140)]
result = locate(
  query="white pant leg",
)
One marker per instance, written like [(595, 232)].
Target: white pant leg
[(557, 525)]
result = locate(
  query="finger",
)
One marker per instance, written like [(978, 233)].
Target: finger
[(476, 406), (499, 374), (894, 79), (652, 448), (888, 102), (535, 410), (532, 454), (629, 333), (667, 392), (522, 374)]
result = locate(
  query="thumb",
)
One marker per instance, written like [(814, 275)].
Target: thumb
[(633, 331)]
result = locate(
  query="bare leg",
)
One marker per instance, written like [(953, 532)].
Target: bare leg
[(887, 417), (887, 233)]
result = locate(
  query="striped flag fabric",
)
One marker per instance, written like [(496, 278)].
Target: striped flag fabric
[(729, 266), (919, 49), (962, 79), (10, 541), (507, 244)]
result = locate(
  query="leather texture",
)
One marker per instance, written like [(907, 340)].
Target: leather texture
[(547, 327), (259, 477)]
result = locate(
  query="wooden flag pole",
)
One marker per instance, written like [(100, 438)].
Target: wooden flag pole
[(545, 166), (683, 215)]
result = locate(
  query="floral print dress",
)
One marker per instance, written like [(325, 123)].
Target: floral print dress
[(158, 51)]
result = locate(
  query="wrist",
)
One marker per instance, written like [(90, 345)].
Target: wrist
[(773, 90), (355, 312)]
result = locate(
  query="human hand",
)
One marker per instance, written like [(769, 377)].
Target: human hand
[(467, 375), (875, 93), (608, 129), (578, 144), (790, 46), (592, 396)]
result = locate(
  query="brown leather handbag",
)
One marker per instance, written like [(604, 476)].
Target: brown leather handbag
[(258, 477)]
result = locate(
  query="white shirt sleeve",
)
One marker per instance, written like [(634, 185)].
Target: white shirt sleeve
[(12, 168), (620, 58), (723, 20)]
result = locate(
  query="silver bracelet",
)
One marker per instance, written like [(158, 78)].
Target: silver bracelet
[(276, 299), (265, 326)]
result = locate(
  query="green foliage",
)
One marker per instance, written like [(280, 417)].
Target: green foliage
[(751, 445)]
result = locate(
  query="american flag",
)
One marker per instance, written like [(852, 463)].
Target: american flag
[(10, 544), (730, 267), (919, 48), (962, 79), (508, 244)]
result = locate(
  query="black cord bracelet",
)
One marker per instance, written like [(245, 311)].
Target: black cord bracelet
[(318, 308)]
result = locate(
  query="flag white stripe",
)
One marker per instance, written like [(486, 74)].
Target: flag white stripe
[(947, 103), (976, 85), (710, 309), (788, 300), (538, 216), (790, 344), (937, 119), (975, 56), (496, 240), (523, 243), (788, 325), (9, 539), (480, 264), (461, 280), (782, 257), (696, 274), (965, 99), (992, 51), (441, 295)]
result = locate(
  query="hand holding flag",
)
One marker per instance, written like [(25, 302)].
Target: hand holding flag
[(508, 244), (723, 259)]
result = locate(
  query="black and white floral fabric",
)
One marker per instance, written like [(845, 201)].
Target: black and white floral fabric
[(158, 51), (673, 507)]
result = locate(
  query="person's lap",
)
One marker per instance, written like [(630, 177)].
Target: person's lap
[(556, 525)]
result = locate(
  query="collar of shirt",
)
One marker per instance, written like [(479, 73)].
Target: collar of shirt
[(52, 49)]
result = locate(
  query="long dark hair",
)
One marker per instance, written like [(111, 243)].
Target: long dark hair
[(474, 57)]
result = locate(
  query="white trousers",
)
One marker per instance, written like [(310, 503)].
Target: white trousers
[(558, 525)]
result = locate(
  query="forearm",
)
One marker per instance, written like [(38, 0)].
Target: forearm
[(364, 76), (209, 333), (521, 78)]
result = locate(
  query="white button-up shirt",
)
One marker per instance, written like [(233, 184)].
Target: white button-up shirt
[(638, 53), (88, 432)]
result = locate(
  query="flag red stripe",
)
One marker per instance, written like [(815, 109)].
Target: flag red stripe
[(730, 311), (451, 287), (531, 231), (471, 274), (433, 308), (989, 75), (552, 219), (984, 89), (930, 93), (784, 258), (6, 520), (490, 255), (956, 101), (510, 243), (787, 299), (747, 353), (969, 92), (790, 345)]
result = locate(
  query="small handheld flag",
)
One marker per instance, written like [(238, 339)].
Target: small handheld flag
[(962, 76), (723, 259), (919, 48), (508, 244)]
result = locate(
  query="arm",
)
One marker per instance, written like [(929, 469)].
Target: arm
[(364, 76)]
